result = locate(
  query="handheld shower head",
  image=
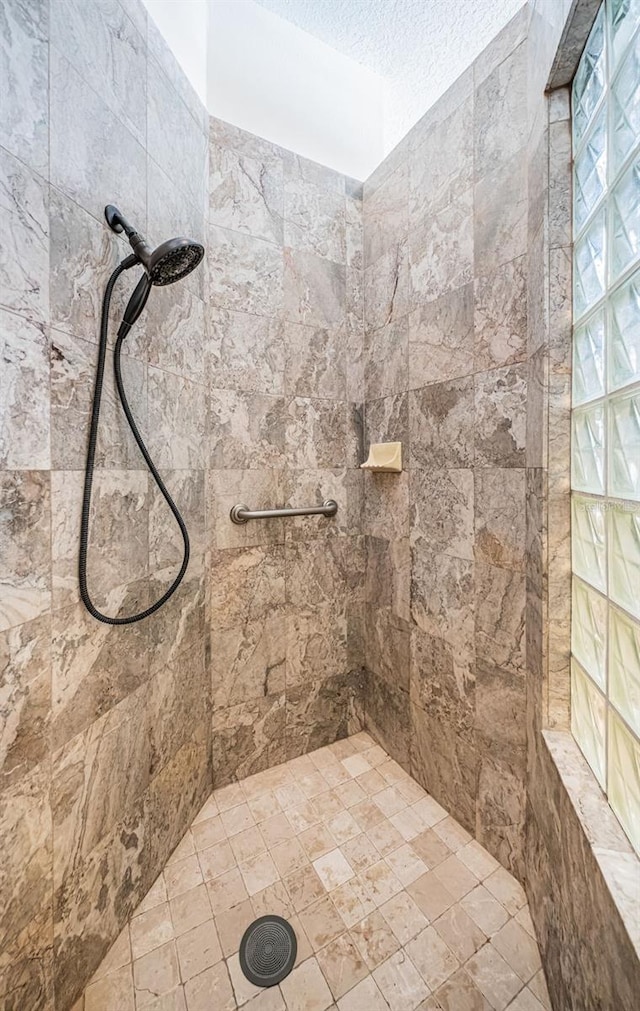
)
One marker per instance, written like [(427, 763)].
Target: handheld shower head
[(173, 260), (170, 262)]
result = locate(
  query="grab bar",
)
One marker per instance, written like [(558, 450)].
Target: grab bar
[(242, 514)]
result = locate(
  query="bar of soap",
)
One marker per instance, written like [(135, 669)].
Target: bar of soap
[(385, 457)]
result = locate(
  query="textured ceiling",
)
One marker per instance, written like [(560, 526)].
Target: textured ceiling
[(419, 46)]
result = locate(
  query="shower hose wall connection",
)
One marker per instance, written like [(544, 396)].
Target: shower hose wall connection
[(170, 262)]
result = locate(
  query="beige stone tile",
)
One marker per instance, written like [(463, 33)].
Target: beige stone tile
[(155, 974), (460, 932), (247, 844), (265, 805), (453, 834), (476, 858), (182, 876), (154, 897), (430, 848), (538, 986), (456, 877), (432, 957), (350, 793), (231, 925), (313, 784), (289, 796), (429, 811), (304, 888), (208, 810), (306, 989), (301, 766), (430, 895), (150, 930), (303, 817), (360, 852), (268, 1000), (276, 830), (226, 891), (289, 857), (112, 991), (411, 791), (372, 782), (322, 757), (185, 848), (458, 993), (317, 841), (352, 901), (343, 748), (525, 1001), (175, 1000), (524, 919), (366, 996), (333, 869), (259, 872), (229, 796), (485, 910), (356, 765), (237, 819), (494, 977), (408, 823), (336, 774), (305, 950), (519, 949), (208, 832), (328, 805), (375, 756), (273, 899), (119, 954), (217, 860), (242, 987), (507, 890), (198, 949), (400, 983), (374, 938), (362, 741), (190, 909), (406, 864), (342, 965), (343, 827), (390, 801), (366, 814), (403, 916), (261, 784), (211, 989), (380, 882), (385, 837), (321, 923), (391, 772)]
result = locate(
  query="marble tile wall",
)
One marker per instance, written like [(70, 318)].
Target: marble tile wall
[(284, 382), (445, 369), (104, 731)]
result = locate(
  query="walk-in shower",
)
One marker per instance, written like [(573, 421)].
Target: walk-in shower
[(169, 262)]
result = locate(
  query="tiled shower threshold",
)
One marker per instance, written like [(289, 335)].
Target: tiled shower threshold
[(394, 905)]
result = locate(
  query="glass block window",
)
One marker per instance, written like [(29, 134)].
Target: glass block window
[(605, 433)]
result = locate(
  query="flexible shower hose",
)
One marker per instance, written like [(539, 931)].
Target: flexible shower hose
[(91, 452)]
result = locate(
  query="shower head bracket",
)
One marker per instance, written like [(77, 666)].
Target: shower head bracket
[(115, 220)]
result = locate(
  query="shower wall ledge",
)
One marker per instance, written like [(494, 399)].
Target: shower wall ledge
[(612, 852)]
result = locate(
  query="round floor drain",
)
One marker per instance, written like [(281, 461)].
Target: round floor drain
[(268, 950)]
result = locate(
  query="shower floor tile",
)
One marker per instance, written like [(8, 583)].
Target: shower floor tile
[(395, 907)]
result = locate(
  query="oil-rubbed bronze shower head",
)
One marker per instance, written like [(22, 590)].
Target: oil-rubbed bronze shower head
[(170, 262)]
